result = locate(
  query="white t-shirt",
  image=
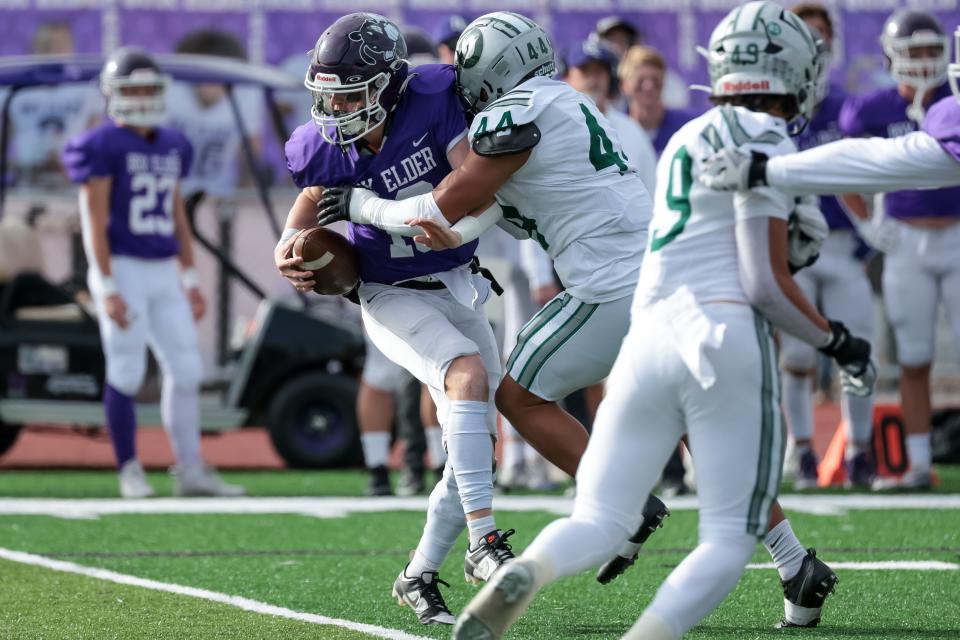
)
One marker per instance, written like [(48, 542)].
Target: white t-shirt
[(214, 135)]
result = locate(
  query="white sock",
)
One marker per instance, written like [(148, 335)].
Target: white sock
[(785, 549), (376, 448), (438, 455), (701, 581), (858, 414), (470, 453), (480, 527), (798, 405), (918, 451), (180, 413), (445, 522)]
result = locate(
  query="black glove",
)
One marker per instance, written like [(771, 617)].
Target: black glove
[(353, 295), (757, 175), (334, 206), (844, 347)]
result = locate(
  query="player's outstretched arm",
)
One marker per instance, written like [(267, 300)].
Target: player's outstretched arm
[(188, 274), (95, 196)]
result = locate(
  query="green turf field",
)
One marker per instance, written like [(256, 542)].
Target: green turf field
[(343, 567)]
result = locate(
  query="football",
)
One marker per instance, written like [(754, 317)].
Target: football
[(330, 257)]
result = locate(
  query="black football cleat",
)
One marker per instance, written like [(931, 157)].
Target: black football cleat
[(422, 594), (804, 593), (654, 513), (379, 482), (492, 552)]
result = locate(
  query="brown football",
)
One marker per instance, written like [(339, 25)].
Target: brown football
[(330, 257)]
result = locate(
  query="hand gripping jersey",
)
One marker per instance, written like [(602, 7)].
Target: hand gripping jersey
[(577, 195), (144, 174), (883, 113), (824, 127), (692, 239), (426, 124), (943, 124)]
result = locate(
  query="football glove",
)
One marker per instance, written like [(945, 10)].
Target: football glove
[(806, 231), (342, 203), (857, 371), (734, 170)]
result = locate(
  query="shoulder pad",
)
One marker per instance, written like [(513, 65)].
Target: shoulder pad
[(507, 141)]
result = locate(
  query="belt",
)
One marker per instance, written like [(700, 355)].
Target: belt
[(421, 285)]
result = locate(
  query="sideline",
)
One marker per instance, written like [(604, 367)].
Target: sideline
[(239, 602), (89, 508)]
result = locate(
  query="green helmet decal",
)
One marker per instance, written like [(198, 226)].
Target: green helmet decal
[(469, 48)]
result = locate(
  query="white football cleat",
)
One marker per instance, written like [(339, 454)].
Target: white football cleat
[(202, 480), (499, 603), (133, 481), (914, 479)]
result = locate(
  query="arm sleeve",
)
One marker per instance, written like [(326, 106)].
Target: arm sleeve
[(391, 215), (84, 158), (761, 287), (866, 165)]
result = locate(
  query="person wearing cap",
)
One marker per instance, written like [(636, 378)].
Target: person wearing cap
[(591, 68), (617, 33), (642, 73), (446, 35)]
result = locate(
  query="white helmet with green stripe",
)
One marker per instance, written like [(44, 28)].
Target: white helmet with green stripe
[(762, 48), (497, 52)]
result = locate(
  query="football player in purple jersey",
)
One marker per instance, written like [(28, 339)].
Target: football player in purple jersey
[(135, 232), (921, 269), (838, 281), (398, 132)]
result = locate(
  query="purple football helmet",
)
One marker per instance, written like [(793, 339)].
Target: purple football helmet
[(357, 74), (918, 49), (134, 88)]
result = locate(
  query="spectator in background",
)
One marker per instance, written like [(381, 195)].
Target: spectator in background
[(620, 35), (420, 48), (446, 35), (642, 72), (591, 68), (204, 114), (43, 118), (839, 286)]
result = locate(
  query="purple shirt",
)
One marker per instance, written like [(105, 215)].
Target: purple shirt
[(673, 119), (412, 161), (824, 127), (883, 113), (943, 124), (144, 175)]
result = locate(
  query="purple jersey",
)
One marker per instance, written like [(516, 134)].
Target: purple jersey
[(883, 113), (824, 127), (413, 160), (144, 175), (673, 119), (943, 124)]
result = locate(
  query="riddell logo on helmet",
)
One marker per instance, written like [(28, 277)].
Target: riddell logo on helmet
[(326, 77), (746, 86)]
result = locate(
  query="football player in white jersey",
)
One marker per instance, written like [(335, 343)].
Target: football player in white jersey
[(698, 359), (543, 148)]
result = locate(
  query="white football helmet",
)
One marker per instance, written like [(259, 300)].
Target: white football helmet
[(762, 48), (497, 52)]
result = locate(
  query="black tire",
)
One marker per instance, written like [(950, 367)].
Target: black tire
[(8, 435), (313, 422)]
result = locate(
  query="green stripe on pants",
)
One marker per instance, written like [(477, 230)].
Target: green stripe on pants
[(536, 323), (761, 488), (554, 342)]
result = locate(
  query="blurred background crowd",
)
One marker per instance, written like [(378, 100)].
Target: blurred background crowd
[(636, 60)]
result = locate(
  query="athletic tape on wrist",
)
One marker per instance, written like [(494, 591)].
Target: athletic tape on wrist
[(190, 278), (108, 286)]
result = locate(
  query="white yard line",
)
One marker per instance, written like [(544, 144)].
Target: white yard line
[(883, 565), (84, 508), (245, 604)]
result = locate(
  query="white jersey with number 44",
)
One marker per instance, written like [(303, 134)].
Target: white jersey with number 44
[(577, 195), (692, 239)]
